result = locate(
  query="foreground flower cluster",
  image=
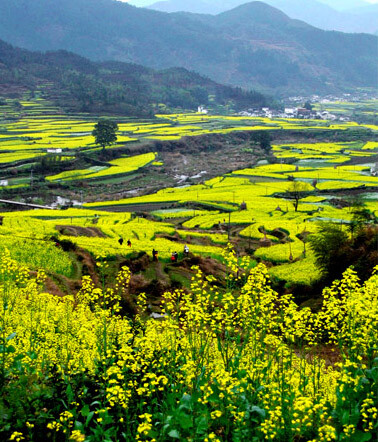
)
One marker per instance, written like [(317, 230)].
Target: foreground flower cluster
[(247, 365)]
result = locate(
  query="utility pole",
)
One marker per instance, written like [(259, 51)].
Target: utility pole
[(229, 225)]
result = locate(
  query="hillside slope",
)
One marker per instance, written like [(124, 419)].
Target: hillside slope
[(76, 83), (252, 45)]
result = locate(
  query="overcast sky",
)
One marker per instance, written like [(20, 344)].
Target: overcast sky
[(149, 2)]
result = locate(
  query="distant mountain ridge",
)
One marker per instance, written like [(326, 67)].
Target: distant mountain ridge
[(77, 84), (363, 19), (345, 5), (252, 46), (195, 6)]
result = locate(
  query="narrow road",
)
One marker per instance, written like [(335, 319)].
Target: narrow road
[(17, 203)]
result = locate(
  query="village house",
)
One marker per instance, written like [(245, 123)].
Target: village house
[(54, 150), (202, 110), (303, 112)]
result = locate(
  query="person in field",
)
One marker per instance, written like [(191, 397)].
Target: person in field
[(154, 255), (129, 243), (186, 251), (120, 241)]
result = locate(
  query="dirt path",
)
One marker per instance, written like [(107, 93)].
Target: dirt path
[(85, 265), (52, 288), (80, 231)]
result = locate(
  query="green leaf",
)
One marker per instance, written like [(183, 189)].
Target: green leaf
[(174, 434), (374, 374), (10, 349), (89, 417), (219, 345), (361, 436), (69, 393), (85, 411), (258, 410), (201, 424), (11, 336), (32, 355), (345, 418), (186, 402), (79, 426), (185, 421)]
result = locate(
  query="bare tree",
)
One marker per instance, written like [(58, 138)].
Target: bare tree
[(296, 191)]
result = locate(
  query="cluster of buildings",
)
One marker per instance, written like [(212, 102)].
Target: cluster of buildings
[(332, 98), (292, 112), (294, 107)]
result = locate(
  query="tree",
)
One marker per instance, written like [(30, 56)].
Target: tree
[(335, 251), (105, 132), (308, 106), (361, 218), (329, 247), (265, 140), (296, 191)]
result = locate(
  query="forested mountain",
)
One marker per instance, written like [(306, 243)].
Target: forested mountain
[(253, 45), (316, 13), (76, 83)]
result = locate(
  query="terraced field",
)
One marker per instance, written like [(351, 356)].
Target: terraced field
[(209, 210), (268, 211), (39, 226), (117, 167), (26, 134), (265, 192), (368, 109), (199, 348)]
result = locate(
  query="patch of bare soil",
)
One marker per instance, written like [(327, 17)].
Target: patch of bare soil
[(136, 265), (80, 231), (329, 353), (51, 286), (208, 266), (88, 265), (60, 285)]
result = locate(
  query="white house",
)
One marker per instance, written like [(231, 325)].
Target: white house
[(290, 111), (202, 110), (54, 150), (328, 116)]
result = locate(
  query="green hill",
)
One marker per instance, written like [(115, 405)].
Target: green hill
[(252, 46), (77, 84)]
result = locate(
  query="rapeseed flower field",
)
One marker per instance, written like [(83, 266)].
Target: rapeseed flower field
[(233, 362), (117, 167), (264, 189), (247, 365), (41, 127)]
